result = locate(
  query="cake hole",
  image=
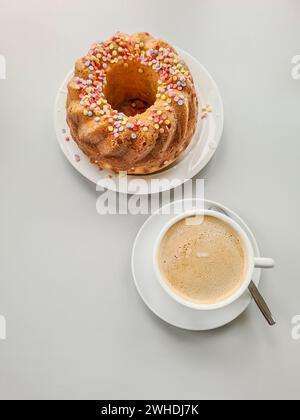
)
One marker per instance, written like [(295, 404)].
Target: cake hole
[(129, 90)]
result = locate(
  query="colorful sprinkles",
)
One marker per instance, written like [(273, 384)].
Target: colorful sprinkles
[(174, 78), (77, 158), (206, 110)]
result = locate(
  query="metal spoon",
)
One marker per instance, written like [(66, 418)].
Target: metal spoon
[(259, 300)]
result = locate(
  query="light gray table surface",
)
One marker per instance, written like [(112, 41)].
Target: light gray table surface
[(76, 326)]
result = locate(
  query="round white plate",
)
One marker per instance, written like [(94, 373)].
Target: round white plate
[(196, 157), (157, 300)]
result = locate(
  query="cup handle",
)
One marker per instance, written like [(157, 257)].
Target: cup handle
[(264, 263)]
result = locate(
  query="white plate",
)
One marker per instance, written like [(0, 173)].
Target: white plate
[(196, 157), (158, 301)]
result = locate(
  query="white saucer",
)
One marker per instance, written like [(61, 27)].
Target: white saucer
[(200, 152), (158, 300)]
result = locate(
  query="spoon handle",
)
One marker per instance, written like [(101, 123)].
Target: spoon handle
[(261, 304)]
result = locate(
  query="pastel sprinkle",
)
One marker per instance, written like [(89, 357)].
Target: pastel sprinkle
[(206, 110), (77, 158)]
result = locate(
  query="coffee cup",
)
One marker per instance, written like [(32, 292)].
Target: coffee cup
[(236, 233)]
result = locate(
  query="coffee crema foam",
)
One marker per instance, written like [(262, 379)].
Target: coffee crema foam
[(203, 260)]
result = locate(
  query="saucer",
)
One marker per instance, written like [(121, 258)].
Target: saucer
[(202, 148), (153, 295)]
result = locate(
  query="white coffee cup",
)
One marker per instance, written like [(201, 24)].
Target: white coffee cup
[(252, 261)]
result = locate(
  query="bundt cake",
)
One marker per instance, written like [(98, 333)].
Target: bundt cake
[(132, 104)]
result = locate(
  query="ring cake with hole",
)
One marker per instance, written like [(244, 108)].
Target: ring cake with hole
[(132, 105)]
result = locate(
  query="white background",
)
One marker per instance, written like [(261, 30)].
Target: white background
[(76, 327)]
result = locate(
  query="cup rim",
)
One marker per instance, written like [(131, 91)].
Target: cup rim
[(249, 254)]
